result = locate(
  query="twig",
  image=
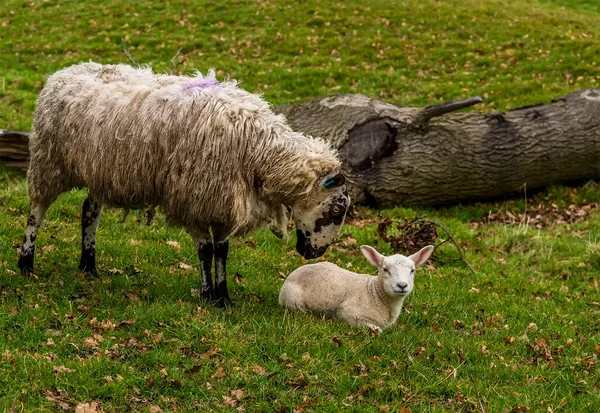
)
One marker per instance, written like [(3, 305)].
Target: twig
[(178, 63), (128, 55), (460, 251), (478, 395), (455, 369), (446, 107)]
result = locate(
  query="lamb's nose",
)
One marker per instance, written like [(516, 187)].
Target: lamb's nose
[(402, 285)]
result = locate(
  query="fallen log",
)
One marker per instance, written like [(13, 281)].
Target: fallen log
[(395, 155), (14, 150), (399, 155)]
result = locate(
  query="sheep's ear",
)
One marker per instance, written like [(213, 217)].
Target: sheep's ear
[(372, 255), (334, 181), (422, 255)]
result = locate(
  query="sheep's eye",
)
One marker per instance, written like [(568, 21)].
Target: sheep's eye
[(336, 209), (412, 272), (385, 270)]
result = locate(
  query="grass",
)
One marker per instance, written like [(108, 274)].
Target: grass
[(522, 334)]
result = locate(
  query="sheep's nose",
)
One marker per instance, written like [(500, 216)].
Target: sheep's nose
[(402, 285)]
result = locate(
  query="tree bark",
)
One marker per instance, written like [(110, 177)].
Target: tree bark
[(394, 155), (398, 155), (14, 149)]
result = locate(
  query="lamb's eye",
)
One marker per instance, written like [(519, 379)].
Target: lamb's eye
[(412, 272), (385, 270)]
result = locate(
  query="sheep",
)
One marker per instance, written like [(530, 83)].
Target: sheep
[(360, 299), (214, 157)]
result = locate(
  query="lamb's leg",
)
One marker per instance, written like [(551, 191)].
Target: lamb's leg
[(37, 211), (205, 249), (221, 251), (90, 218), (355, 318)]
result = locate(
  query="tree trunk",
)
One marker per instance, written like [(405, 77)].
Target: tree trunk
[(395, 155), (14, 149)]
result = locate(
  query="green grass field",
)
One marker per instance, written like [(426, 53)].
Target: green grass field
[(522, 334)]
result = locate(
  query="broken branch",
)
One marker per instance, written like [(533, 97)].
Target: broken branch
[(446, 107)]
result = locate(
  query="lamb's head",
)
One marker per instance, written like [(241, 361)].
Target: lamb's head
[(396, 272), (320, 215)]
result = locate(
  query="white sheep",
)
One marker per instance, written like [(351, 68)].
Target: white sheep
[(360, 299), (212, 156)]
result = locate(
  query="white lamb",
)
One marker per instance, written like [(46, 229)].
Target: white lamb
[(360, 299)]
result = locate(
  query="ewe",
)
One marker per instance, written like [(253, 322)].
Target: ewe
[(360, 299), (214, 157)]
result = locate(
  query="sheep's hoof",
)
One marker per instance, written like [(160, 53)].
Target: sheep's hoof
[(223, 302), (207, 296), (90, 272), (25, 263)]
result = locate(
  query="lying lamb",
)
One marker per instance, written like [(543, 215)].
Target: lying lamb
[(214, 157), (360, 299)]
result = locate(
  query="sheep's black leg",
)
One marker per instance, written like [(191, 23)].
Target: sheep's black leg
[(37, 212), (221, 251), (90, 218), (204, 247)]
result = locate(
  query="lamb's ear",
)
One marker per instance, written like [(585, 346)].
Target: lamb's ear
[(422, 255), (372, 255)]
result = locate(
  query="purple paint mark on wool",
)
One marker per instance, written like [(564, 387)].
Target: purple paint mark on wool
[(201, 84)]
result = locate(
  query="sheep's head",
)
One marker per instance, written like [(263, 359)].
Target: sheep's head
[(319, 217), (397, 272)]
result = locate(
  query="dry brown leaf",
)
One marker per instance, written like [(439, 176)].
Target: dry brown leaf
[(90, 343), (92, 407), (62, 369), (259, 370), (220, 374), (229, 401), (60, 397), (212, 352), (237, 394), (186, 267)]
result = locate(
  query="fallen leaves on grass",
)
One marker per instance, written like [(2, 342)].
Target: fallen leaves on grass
[(411, 235), (261, 371), (298, 382), (542, 351), (61, 397), (541, 215), (92, 407), (62, 369), (219, 374), (186, 267), (237, 278)]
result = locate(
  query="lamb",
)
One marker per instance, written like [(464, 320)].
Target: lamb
[(214, 157), (359, 299)]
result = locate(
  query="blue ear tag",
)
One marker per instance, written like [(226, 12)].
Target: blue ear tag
[(329, 182)]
